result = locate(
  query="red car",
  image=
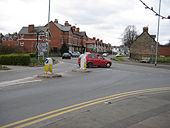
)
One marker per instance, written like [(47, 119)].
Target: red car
[(93, 59)]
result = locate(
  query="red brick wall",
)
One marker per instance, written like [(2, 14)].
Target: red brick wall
[(164, 51), (56, 36), (30, 42), (9, 43)]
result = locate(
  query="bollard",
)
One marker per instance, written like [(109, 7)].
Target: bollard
[(83, 62), (48, 65)]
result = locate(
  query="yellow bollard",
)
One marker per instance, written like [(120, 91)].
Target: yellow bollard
[(48, 65), (46, 68), (51, 68), (84, 65)]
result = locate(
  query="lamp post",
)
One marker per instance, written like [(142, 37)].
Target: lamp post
[(156, 57), (48, 29)]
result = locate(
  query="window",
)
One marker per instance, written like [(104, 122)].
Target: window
[(100, 57), (94, 56), (89, 56)]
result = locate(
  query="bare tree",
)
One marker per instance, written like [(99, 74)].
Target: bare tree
[(129, 35)]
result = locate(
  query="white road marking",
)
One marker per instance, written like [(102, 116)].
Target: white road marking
[(19, 81)]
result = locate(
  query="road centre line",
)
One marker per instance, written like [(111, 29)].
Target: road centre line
[(64, 110)]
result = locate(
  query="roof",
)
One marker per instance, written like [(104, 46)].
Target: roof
[(91, 41), (152, 36), (68, 28), (13, 36), (63, 28), (24, 30)]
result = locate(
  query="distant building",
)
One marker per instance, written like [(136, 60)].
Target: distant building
[(70, 35), (144, 45), (96, 45), (31, 38), (10, 39), (164, 51)]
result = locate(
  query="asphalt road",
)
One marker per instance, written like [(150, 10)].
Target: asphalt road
[(22, 100)]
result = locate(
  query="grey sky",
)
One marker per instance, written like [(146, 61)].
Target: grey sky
[(104, 19)]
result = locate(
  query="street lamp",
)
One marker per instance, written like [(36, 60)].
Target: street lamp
[(48, 29), (156, 57)]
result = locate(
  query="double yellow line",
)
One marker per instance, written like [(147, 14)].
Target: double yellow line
[(55, 113)]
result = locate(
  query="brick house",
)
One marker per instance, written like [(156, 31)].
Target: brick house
[(75, 39), (31, 36), (70, 35), (164, 51), (91, 45), (96, 45), (144, 45), (10, 39)]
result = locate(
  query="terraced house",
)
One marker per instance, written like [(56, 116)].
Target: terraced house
[(31, 38), (10, 39), (96, 45), (70, 35)]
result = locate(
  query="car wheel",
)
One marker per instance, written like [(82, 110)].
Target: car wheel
[(108, 65), (90, 65)]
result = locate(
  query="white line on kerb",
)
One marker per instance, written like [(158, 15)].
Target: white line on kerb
[(18, 81)]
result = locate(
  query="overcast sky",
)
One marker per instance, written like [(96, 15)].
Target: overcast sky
[(103, 19)]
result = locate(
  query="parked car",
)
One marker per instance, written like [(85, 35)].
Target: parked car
[(66, 56), (93, 59), (75, 54), (105, 54)]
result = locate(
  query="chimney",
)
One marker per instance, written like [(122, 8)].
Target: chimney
[(56, 21), (145, 29), (31, 28), (74, 28), (66, 23), (78, 29)]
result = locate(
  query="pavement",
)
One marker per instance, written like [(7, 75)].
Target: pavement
[(148, 110)]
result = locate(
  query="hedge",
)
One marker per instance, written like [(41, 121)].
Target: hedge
[(163, 59), (11, 49), (32, 55), (15, 59)]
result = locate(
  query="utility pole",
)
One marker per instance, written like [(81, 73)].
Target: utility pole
[(48, 29), (152, 50), (157, 43)]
